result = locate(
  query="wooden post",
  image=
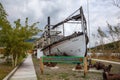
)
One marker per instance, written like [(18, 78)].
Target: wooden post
[(85, 66), (41, 65)]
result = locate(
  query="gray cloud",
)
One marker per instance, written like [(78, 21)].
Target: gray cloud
[(38, 10)]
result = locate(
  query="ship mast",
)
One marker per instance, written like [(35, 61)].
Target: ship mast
[(49, 41)]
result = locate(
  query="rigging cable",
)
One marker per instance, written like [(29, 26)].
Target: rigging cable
[(73, 13)]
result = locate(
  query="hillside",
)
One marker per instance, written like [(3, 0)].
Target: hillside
[(110, 47)]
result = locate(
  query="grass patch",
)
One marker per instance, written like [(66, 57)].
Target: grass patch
[(73, 74), (85, 77), (106, 57), (110, 59), (63, 75), (5, 69), (65, 72)]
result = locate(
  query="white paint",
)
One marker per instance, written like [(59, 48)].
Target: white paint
[(39, 53), (73, 47)]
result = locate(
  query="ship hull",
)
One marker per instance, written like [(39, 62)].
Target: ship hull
[(75, 46)]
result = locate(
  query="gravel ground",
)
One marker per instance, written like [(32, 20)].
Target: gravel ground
[(65, 72)]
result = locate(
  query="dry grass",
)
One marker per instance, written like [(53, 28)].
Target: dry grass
[(106, 56), (5, 69), (63, 73)]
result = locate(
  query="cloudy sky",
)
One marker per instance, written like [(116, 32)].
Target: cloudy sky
[(100, 11)]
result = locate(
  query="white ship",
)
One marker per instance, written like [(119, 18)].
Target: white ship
[(72, 45)]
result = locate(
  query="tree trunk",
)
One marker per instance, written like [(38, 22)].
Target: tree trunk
[(16, 59), (12, 60)]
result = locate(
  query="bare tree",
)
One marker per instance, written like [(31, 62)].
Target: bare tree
[(117, 32), (116, 3), (101, 35), (114, 32), (96, 42), (111, 32)]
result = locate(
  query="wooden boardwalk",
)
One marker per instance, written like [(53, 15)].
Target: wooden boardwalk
[(26, 71)]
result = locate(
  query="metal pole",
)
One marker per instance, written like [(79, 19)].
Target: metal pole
[(48, 27), (49, 35), (63, 30)]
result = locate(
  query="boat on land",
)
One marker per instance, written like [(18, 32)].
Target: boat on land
[(57, 44)]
